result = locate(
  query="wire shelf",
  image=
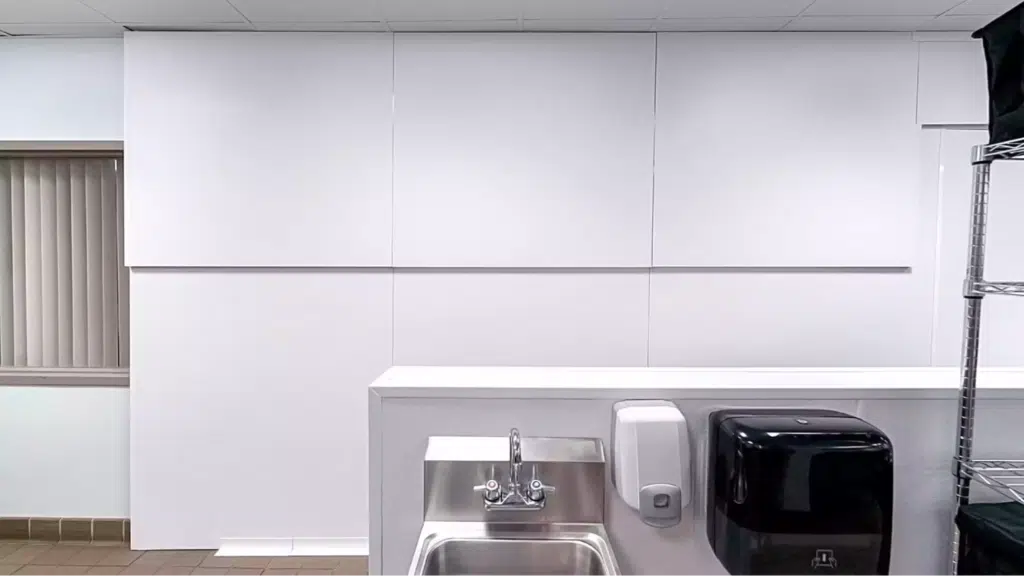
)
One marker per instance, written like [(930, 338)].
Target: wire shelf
[(1006, 477), (1009, 150), (1004, 288), (1003, 476)]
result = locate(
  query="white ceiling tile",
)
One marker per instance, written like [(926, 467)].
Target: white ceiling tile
[(440, 10), (621, 25), (733, 8), (455, 26), (374, 26), (720, 24), (48, 12), (880, 7), (591, 9), (166, 11), (956, 23), (983, 7), (313, 11), (108, 30), (858, 23)]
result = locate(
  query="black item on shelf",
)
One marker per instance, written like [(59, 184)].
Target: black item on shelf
[(798, 492), (1003, 39), (992, 538)]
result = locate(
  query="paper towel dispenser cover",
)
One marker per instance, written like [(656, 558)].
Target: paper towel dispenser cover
[(799, 492)]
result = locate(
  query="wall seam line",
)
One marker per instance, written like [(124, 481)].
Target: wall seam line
[(654, 163)]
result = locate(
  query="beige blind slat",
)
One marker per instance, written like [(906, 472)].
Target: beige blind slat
[(48, 260), (33, 267), (18, 261), (65, 333), (79, 278), (108, 229), (6, 269), (94, 259)]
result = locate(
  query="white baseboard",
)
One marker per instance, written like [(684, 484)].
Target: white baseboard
[(331, 547), (294, 547), (255, 547)]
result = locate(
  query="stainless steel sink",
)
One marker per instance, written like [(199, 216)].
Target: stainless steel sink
[(480, 548), (541, 511)]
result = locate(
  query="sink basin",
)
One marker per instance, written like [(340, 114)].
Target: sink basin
[(458, 556), (477, 548)]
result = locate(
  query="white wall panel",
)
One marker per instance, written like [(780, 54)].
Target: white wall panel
[(789, 319), (786, 150), (61, 89), (249, 149), (805, 317), (523, 149), (248, 413), (1002, 317), (64, 452), (521, 318), (952, 83)]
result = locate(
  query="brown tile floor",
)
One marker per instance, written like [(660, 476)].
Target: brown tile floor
[(21, 557)]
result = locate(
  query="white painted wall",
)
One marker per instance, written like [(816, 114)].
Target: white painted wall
[(61, 89), (64, 452)]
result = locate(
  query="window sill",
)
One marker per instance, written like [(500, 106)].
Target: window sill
[(65, 377)]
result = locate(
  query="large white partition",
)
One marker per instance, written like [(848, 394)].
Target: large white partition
[(525, 150), (786, 150), (512, 153), (258, 149), (248, 396)]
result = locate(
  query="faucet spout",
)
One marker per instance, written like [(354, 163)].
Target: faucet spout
[(515, 457)]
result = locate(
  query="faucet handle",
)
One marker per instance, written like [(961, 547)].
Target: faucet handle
[(536, 490), (490, 489)]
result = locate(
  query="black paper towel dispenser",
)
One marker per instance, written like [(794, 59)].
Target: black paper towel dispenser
[(798, 492)]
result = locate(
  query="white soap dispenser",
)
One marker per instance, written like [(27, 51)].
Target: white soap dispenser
[(651, 459)]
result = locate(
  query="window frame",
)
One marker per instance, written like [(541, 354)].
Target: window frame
[(63, 377)]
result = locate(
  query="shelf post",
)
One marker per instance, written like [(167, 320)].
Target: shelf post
[(972, 331)]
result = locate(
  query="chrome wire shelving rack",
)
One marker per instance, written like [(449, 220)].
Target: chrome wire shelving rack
[(1005, 477)]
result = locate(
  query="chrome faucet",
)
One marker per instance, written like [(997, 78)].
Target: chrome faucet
[(515, 495), (515, 457)]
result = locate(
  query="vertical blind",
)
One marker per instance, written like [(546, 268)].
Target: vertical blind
[(63, 284)]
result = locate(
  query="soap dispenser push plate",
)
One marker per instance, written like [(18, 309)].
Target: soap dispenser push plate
[(661, 505), (651, 460)]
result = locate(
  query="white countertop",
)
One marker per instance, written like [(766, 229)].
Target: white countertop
[(522, 382)]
